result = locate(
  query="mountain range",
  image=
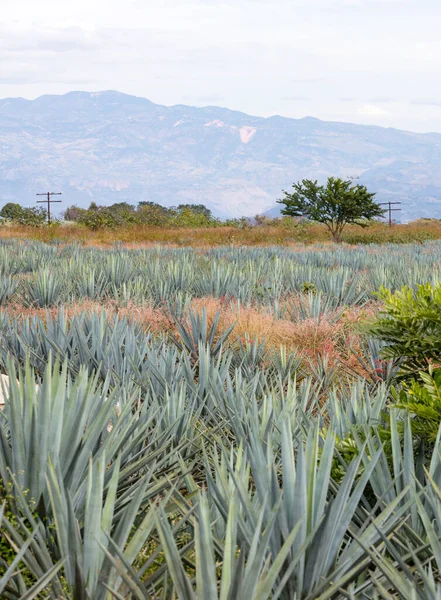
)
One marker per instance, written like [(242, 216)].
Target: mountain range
[(111, 147)]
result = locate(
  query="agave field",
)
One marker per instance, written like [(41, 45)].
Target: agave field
[(153, 445)]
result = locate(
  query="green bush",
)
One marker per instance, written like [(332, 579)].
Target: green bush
[(423, 402), (12, 211), (146, 213), (98, 218), (410, 325), (33, 217)]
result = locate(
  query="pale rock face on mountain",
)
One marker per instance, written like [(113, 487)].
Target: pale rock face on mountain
[(110, 147)]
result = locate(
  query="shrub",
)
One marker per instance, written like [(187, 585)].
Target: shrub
[(410, 325), (33, 217), (147, 213), (73, 213), (12, 211), (423, 402)]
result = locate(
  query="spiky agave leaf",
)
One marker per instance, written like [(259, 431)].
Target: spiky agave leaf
[(12, 583), (85, 539), (243, 572), (36, 429), (45, 289), (199, 331), (324, 550)]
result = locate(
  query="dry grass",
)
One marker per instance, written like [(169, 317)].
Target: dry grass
[(283, 234), (337, 340)]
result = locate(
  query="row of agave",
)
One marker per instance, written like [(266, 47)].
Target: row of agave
[(124, 350), (41, 275), (141, 467)]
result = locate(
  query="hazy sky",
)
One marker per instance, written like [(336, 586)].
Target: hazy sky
[(364, 61)]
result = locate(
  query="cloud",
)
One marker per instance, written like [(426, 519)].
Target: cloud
[(33, 78), (381, 100), (371, 110), (66, 39), (310, 56), (306, 79), (426, 102), (297, 99), (210, 98)]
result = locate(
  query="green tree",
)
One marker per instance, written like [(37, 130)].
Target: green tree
[(187, 217), (151, 213), (12, 211), (335, 204), (33, 217), (199, 209), (123, 213), (73, 213), (98, 217)]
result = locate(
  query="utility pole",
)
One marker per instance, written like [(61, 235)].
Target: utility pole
[(390, 209), (48, 201)]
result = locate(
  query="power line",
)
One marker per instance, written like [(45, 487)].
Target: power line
[(48, 201), (390, 209)]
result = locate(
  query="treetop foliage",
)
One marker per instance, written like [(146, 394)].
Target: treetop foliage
[(146, 213), (335, 204), (34, 216)]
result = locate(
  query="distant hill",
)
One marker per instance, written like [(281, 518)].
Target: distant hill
[(111, 147)]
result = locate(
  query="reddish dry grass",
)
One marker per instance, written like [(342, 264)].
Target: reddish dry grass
[(155, 320), (339, 342)]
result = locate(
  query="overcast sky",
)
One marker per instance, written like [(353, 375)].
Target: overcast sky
[(363, 61)]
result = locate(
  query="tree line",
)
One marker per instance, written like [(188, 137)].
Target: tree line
[(335, 204), (145, 213), (117, 215)]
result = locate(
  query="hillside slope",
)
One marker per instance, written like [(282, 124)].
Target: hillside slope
[(111, 147)]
